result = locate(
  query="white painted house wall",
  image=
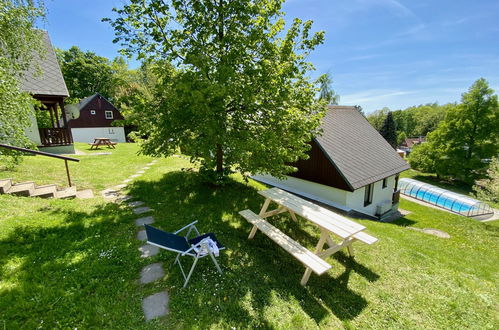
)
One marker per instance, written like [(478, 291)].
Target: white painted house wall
[(355, 199), (31, 131), (338, 198), (88, 134)]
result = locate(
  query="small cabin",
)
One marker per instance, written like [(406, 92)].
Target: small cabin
[(350, 167), (93, 118), (45, 82)]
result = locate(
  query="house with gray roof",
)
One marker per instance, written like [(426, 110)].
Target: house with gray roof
[(45, 82), (350, 166)]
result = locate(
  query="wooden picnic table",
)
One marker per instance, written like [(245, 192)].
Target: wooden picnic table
[(329, 223), (102, 142)]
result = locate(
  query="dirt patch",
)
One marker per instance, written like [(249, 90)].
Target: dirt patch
[(431, 231)]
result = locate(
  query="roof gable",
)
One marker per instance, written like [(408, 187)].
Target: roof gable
[(87, 100), (356, 149), (50, 81)]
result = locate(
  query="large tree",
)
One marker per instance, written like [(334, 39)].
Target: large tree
[(241, 97), (19, 41), (326, 92), (86, 73), (468, 136), (389, 130)]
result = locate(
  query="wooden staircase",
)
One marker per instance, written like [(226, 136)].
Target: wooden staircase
[(31, 189)]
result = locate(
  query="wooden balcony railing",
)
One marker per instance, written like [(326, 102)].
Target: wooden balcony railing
[(55, 136)]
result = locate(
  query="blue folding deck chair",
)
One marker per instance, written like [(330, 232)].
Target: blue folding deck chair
[(184, 246)]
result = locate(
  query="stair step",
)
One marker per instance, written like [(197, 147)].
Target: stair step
[(69, 192), (83, 194), (5, 185), (45, 191), (22, 189)]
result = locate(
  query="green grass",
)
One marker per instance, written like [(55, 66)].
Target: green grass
[(75, 264), (92, 171)]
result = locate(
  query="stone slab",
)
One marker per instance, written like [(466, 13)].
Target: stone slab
[(141, 172), (155, 305), (120, 186), (135, 204), (124, 198), (146, 168), (135, 175), (142, 209), (148, 250), (151, 273), (144, 221), (150, 164), (127, 180), (141, 235)]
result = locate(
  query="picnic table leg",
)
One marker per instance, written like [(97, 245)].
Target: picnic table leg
[(318, 248), (293, 216), (350, 249), (262, 211)]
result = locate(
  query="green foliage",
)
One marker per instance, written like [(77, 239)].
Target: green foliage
[(86, 73), (423, 158), (488, 189), (19, 41), (401, 136), (240, 96), (466, 138), (326, 93), (389, 130), (377, 118)]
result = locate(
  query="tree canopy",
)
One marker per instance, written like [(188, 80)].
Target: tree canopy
[(389, 130), (326, 92), (465, 140), (19, 41), (237, 94)]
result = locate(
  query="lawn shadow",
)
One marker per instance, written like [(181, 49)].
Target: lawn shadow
[(69, 271), (257, 272)]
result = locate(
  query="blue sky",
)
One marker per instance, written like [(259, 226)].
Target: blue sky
[(380, 53)]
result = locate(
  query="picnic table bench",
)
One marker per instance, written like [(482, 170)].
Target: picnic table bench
[(329, 223), (102, 141)]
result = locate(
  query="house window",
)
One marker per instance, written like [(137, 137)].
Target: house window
[(109, 115), (385, 181), (92, 112), (368, 194)]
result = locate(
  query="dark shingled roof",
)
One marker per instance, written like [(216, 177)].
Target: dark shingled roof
[(356, 149), (50, 81)]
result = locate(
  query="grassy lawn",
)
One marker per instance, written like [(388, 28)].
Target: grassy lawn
[(93, 171), (75, 263)]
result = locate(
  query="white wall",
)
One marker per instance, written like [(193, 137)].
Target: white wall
[(355, 199), (319, 192), (88, 134), (335, 197), (32, 130)]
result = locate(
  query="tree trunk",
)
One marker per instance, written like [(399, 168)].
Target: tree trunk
[(220, 159)]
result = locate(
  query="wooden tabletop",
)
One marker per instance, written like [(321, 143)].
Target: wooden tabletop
[(324, 218)]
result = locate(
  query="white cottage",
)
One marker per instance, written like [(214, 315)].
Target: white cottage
[(351, 167)]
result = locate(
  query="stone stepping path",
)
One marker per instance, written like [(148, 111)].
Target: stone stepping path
[(135, 204), (151, 273), (148, 250), (144, 221), (141, 235), (142, 209), (155, 305)]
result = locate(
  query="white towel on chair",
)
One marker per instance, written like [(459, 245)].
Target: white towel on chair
[(211, 245)]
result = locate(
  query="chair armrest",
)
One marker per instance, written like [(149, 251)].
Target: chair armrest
[(183, 228)]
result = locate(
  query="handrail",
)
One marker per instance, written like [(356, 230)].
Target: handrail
[(36, 152)]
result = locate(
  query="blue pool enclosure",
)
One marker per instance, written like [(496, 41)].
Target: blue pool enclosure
[(446, 199)]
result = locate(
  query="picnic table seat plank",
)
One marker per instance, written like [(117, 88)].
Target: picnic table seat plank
[(309, 259), (320, 216), (366, 238)]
